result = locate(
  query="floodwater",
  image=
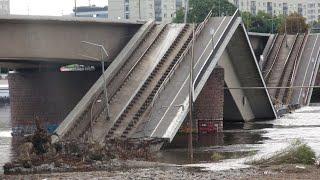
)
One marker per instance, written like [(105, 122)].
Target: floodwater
[(244, 142), (5, 135), (238, 143)]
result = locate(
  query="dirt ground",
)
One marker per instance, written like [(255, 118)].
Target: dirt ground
[(176, 172)]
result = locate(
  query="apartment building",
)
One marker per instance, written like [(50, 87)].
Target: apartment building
[(160, 10), (4, 7), (310, 9)]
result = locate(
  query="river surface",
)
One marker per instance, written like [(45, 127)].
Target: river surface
[(238, 143), (241, 143)]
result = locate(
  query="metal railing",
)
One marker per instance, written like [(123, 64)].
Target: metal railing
[(183, 55), (216, 47), (266, 77)]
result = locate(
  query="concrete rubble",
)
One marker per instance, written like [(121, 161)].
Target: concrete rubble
[(38, 155)]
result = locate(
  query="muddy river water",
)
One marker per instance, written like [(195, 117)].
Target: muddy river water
[(238, 143)]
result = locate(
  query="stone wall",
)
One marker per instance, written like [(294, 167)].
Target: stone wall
[(48, 95)]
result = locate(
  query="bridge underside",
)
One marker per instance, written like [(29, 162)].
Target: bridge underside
[(26, 41)]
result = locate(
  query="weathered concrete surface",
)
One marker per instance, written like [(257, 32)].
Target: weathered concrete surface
[(48, 95), (305, 69), (79, 111), (259, 41), (172, 105), (36, 39)]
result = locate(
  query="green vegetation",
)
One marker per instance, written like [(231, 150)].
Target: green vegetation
[(217, 156), (294, 23), (296, 153), (199, 9), (261, 22), (265, 23)]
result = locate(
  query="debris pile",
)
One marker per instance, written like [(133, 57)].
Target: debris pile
[(37, 154)]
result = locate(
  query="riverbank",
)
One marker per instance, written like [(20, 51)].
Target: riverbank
[(165, 171)]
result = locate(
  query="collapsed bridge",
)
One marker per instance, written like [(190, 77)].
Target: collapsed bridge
[(147, 83)]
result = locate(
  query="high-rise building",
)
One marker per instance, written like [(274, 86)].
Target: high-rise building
[(310, 9), (91, 11), (4, 7), (160, 10)]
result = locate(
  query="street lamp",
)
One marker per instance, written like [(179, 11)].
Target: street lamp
[(102, 50), (186, 11)]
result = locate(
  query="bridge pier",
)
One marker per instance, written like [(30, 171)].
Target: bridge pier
[(50, 95), (208, 108)]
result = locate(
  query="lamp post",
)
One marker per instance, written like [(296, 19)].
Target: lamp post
[(75, 8), (102, 51), (186, 11)]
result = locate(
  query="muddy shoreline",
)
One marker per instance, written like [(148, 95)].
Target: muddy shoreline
[(152, 170)]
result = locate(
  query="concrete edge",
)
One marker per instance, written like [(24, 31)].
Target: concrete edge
[(83, 104), (258, 68), (65, 19)]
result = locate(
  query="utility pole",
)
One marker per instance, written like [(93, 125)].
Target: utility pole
[(75, 8), (139, 9), (190, 139), (186, 11), (219, 8)]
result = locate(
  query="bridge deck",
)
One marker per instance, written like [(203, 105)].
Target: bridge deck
[(306, 68)]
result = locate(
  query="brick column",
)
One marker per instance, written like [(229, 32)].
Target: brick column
[(48, 95), (208, 108)]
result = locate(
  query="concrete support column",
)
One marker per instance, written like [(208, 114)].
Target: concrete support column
[(48, 95)]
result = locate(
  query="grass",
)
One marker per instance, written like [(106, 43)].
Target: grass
[(297, 152), (217, 156)]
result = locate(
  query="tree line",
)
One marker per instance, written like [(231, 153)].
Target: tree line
[(261, 22)]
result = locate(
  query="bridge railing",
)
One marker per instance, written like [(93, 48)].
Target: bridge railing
[(183, 55), (216, 47), (83, 106)]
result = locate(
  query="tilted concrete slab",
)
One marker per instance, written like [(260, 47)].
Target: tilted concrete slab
[(71, 120), (171, 107), (58, 39), (306, 67), (247, 71)]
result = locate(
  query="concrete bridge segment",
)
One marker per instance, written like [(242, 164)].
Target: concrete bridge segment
[(27, 41)]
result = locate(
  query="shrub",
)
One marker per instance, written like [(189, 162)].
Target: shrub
[(217, 156), (296, 153)]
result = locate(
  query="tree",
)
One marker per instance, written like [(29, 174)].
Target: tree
[(294, 23), (262, 22), (179, 16), (199, 9)]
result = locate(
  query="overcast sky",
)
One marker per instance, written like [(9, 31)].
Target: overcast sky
[(49, 7)]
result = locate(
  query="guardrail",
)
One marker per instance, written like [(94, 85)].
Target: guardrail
[(269, 51), (266, 77), (285, 66), (196, 34), (216, 47), (68, 123), (295, 68)]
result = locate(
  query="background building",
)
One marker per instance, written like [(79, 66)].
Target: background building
[(160, 10), (310, 9), (4, 7), (91, 11)]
